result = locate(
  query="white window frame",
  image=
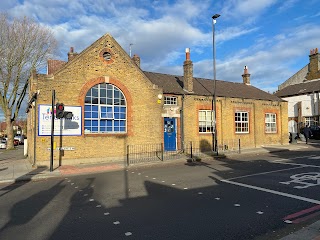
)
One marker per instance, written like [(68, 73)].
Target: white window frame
[(206, 123), (170, 100), (270, 121), (241, 125), (113, 123), (106, 106), (310, 121)]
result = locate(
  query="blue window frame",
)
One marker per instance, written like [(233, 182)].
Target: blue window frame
[(105, 110)]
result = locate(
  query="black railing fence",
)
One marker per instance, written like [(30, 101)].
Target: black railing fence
[(144, 153)]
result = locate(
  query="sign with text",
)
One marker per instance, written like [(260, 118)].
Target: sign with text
[(62, 127)]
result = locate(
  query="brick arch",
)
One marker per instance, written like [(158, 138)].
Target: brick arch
[(118, 84)]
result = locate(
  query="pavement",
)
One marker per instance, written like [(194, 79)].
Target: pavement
[(15, 168)]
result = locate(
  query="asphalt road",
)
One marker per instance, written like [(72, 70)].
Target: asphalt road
[(252, 197)]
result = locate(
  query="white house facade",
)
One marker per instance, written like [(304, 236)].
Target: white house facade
[(301, 91)]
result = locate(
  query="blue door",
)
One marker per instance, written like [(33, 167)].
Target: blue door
[(170, 134)]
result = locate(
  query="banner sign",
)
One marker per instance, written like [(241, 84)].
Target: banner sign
[(62, 127)]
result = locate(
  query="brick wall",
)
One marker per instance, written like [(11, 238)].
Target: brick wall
[(226, 108), (144, 112), (71, 84)]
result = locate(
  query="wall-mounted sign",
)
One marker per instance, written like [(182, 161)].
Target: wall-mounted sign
[(62, 127), (63, 148)]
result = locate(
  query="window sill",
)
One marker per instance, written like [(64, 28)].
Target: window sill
[(105, 134)]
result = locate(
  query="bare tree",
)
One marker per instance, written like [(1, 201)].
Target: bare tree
[(24, 46)]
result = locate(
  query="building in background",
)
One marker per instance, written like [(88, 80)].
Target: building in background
[(302, 93), (117, 105)]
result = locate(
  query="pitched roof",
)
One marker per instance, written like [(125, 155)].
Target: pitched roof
[(173, 84), (300, 89)]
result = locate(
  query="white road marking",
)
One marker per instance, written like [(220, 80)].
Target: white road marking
[(98, 206), (305, 180), (91, 200), (132, 172), (217, 198), (139, 173), (315, 158), (173, 184), (128, 234), (259, 212), (237, 205), (288, 221), (163, 181), (200, 193), (256, 174), (85, 194), (116, 222), (185, 188), (273, 192), (106, 213), (298, 164), (154, 178), (284, 159)]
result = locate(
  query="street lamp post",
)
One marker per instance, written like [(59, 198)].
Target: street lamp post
[(215, 141)]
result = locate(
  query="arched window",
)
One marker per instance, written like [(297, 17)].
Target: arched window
[(105, 110)]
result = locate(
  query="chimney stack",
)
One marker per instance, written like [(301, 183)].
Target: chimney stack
[(188, 72), (246, 76), (71, 54), (136, 60), (314, 65)]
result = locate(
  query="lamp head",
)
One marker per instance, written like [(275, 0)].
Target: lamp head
[(216, 16)]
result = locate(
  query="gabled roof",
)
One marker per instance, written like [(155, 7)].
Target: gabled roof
[(300, 89), (173, 84)]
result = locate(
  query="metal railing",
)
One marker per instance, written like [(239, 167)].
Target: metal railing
[(144, 153), (203, 148)]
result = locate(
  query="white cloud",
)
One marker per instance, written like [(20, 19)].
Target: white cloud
[(269, 66), (233, 32), (246, 10), (161, 30)]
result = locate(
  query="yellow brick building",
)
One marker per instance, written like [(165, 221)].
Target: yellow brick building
[(115, 105)]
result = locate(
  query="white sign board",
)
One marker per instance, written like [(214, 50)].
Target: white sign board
[(62, 127)]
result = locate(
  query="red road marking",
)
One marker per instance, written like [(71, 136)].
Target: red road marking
[(299, 220), (297, 214)]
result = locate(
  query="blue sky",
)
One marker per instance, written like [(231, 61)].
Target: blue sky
[(272, 37)]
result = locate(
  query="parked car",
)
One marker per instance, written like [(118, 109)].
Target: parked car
[(15, 142), (20, 138), (3, 144), (315, 132)]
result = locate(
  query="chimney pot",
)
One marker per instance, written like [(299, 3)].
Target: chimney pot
[(187, 53)]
